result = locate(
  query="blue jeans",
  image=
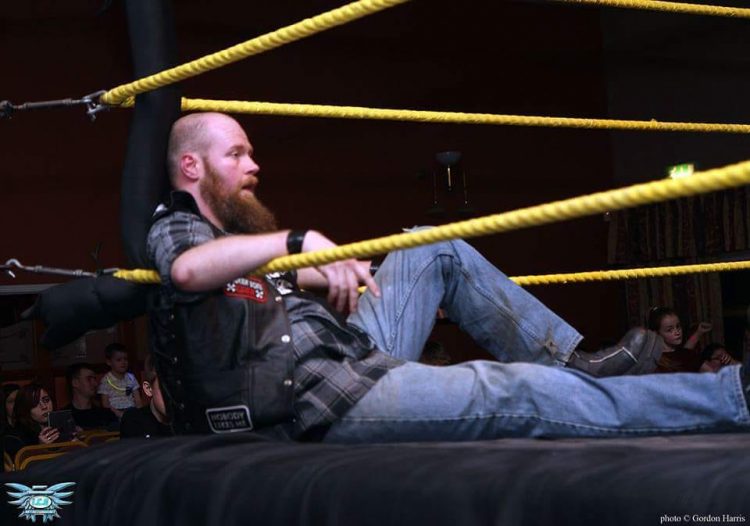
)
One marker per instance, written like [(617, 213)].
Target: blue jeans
[(519, 395)]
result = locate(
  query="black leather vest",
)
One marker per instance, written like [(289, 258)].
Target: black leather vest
[(225, 361)]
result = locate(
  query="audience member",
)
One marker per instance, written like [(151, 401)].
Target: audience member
[(150, 420), (33, 405), (715, 356), (10, 391), (678, 355), (119, 388), (82, 387)]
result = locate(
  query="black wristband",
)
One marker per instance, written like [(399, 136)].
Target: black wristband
[(294, 240)]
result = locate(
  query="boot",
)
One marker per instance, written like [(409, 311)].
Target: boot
[(636, 353)]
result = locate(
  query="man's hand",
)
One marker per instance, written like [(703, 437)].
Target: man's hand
[(704, 327), (343, 277)]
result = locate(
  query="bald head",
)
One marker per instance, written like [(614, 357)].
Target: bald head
[(192, 133)]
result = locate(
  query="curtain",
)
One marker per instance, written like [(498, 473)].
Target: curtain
[(690, 230)]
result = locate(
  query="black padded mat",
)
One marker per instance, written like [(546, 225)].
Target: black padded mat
[(245, 479)]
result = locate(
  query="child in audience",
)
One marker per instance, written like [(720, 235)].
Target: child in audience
[(119, 389), (677, 356), (151, 420)]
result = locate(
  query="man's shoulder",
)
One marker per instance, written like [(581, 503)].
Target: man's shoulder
[(176, 220), (180, 208), (179, 201)]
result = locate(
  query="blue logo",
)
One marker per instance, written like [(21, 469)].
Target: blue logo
[(40, 501)]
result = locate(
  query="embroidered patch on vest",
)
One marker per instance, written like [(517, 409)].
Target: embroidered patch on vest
[(247, 288), (229, 419)]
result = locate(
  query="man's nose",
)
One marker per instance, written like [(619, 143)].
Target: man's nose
[(251, 166)]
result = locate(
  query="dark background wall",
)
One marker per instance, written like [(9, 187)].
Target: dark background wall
[(358, 179)]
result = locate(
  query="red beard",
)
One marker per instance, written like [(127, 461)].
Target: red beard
[(238, 214)]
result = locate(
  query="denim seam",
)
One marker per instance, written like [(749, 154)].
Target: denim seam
[(402, 306), (739, 395), (565, 348), (543, 341)]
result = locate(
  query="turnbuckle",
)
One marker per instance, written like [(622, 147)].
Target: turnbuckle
[(91, 101)]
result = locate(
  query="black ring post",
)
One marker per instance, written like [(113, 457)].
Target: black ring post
[(144, 180)]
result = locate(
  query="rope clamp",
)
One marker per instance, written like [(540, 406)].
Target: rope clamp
[(93, 104), (91, 101), (40, 269), (11, 263)]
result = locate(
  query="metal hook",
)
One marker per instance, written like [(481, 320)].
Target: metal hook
[(93, 105), (91, 101), (40, 269), (11, 263)]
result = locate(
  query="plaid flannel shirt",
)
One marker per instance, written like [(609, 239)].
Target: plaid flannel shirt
[(336, 364)]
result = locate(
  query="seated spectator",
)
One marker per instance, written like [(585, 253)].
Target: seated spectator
[(150, 420), (10, 391), (82, 386), (678, 355), (33, 405), (715, 356), (119, 388)]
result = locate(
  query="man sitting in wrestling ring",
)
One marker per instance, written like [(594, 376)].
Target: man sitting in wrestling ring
[(237, 353)]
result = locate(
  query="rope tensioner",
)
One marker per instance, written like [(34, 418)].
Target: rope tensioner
[(255, 46), (359, 112), (670, 7), (12, 264), (91, 102)]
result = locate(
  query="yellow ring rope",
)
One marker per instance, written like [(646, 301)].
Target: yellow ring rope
[(358, 112), (600, 202), (139, 275), (255, 46), (152, 277), (633, 273), (671, 7)]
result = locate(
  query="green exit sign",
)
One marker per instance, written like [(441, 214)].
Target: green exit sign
[(679, 171)]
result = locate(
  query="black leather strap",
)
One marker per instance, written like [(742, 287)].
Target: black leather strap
[(294, 240)]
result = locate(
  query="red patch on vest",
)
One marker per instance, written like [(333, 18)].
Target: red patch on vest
[(247, 288)]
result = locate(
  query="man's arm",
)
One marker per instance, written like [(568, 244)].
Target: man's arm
[(212, 264), (341, 277)]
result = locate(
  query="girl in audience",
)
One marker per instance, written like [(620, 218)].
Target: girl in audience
[(33, 405), (679, 355)]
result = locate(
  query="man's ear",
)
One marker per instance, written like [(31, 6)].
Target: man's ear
[(147, 389), (189, 166)]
